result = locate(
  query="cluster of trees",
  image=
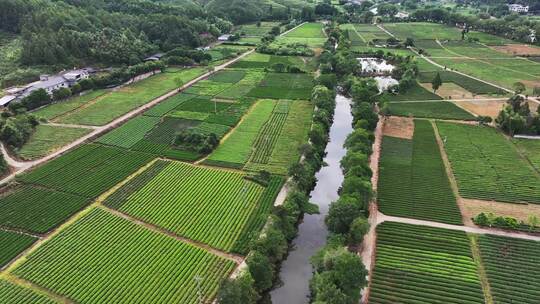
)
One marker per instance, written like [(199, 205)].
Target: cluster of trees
[(195, 141), (270, 249), (288, 49), (245, 11), (16, 128), (187, 57), (516, 117), (506, 222)]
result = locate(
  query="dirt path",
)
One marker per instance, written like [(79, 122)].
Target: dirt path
[(381, 218), (55, 124), (23, 166), (386, 31), (229, 256), (367, 249)]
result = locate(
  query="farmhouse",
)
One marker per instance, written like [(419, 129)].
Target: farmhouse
[(224, 37), (155, 57), (402, 15), (50, 83), (518, 8)]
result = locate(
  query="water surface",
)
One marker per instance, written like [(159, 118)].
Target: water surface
[(296, 270)]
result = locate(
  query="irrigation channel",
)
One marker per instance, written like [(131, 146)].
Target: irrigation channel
[(296, 270)]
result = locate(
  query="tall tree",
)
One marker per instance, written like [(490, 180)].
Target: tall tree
[(436, 82)]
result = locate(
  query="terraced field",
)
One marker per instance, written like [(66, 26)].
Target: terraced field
[(419, 264), (487, 166), (207, 205), (104, 258), (512, 268), (412, 178)]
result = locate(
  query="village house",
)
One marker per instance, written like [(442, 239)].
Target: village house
[(518, 8)]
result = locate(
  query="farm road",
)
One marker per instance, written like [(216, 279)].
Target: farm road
[(23, 166)]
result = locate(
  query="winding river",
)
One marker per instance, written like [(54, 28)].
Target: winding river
[(296, 270)]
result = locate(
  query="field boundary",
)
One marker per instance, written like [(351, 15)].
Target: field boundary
[(37, 289), (229, 256), (477, 257)]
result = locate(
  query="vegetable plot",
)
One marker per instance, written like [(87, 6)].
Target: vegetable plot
[(12, 245), (418, 264), (106, 259)]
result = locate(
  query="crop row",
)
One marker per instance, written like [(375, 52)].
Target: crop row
[(487, 166), (267, 138), (130, 133), (15, 294), (37, 209), (89, 171), (102, 258), (413, 180), (207, 205), (512, 268), (418, 264), (12, 245)]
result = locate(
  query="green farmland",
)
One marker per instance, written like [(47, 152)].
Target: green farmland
[(479, 155), (413, 181), (129, 249), (208, 195), (436, 109), (418, 264)]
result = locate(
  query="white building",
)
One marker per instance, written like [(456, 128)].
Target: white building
[(401, 15), (224, 37), (518, 8)]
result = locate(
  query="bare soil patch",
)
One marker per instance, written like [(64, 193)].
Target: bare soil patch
[(517, 49), (471, 208), (482, 107), (401, 127)]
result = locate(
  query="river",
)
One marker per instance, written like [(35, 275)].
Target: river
[(296, 270)]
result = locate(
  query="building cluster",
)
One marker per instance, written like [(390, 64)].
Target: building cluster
[(518, 8), (49, 83)]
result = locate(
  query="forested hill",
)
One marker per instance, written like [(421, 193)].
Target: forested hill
[(124, 31)]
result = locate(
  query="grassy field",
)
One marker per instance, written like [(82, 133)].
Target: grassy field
[(102, 258), (47, 139), (54, 110), (12, 245), (418, 264), (413, 181), (423, 30), (436, 109), (284, 86), (13, 294), (470, 84), (512, 268), (311, 34), (115, 103), (208, 205), (487, 166)]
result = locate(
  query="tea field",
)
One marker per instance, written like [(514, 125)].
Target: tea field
[(487, 166), (104, 258), (419, 264), (211, 206), (412, 178), (426, 109)]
